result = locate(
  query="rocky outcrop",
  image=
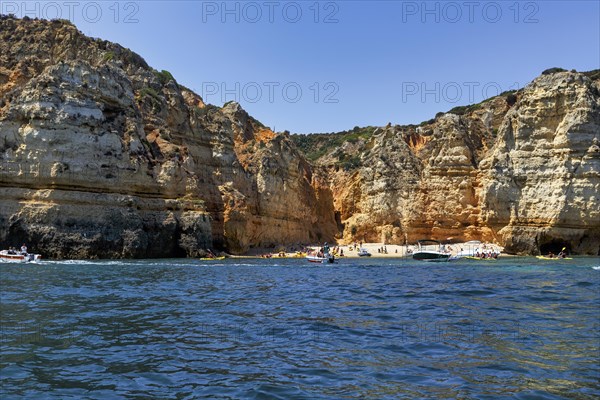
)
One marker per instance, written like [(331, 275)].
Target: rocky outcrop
[(102, 156), (520, 169), (542, 178), (271, 198)]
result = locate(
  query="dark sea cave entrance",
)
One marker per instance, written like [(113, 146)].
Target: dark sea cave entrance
[(555, 246)]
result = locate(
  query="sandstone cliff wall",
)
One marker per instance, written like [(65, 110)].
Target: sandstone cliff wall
[(520, 170), (102, 156), (541, 180)]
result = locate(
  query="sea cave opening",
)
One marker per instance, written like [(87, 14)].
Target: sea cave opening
[(555, 247)]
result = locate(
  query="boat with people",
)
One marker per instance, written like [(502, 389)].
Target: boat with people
[(560, 256), (211, 256), (323, 256), (469, 249), (330, 259), (15, 256), (475, 250), (431, 250)]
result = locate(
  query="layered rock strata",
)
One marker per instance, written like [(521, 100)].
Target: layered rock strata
[(521, 170), (102, 156)]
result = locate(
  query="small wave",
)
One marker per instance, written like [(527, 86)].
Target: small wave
[(467, 293), (214, 264), (597, 268), (81, 262), (70, 262)]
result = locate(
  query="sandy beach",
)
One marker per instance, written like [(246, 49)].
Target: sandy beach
[(377, 250)]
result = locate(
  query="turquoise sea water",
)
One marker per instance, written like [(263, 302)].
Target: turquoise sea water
[(285, 329)]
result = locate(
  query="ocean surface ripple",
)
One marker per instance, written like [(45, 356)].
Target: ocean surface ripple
[(281, 329)]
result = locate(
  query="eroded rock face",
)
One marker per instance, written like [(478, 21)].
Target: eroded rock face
[(101, 156), (274, 199), (374, 200), (542, 178), (519, 170)]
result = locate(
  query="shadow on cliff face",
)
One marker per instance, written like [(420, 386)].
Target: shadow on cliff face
[(71, 233), (555, 247), (574, 243)]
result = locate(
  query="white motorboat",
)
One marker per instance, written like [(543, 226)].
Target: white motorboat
[(469, 249), (322, 256), (363, 253), (326, 259), (16, 257), (431, 250), (475, 250)]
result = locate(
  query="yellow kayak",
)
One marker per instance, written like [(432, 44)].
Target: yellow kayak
[(212, 258), (553, 258)]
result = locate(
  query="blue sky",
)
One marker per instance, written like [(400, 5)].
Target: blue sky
[(308, 66)]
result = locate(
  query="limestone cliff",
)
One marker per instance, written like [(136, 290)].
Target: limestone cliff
[(541, 180), (521, 169), (102, 156)]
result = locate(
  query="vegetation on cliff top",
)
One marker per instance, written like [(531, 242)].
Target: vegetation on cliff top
[(164, 77), (509, 95), (593, 74), (316, 145)]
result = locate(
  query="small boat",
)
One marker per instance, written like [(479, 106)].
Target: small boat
[(553, 258), (475, 250), (212, 258), (326, 259), (363, 253), (15, 257), (480, 258), (430, 250), (469, 249), (323, 256)]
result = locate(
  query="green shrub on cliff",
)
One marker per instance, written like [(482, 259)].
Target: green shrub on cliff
[(164, 77), (553, 70), (462, 110), (109, 56), (150, 93), (351, 163), (347, 161), (511, 99), (593, 75), (316, 145)]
